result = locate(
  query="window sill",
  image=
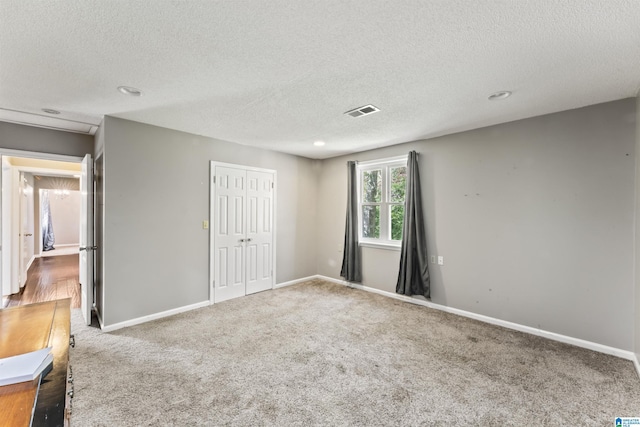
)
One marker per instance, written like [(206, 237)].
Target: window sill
[(381, 245)]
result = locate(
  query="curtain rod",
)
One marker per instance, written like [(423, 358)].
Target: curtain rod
[(384, 160)]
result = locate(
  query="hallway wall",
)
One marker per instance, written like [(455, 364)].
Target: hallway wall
[(50, 183), (65, 217), (27, 138)]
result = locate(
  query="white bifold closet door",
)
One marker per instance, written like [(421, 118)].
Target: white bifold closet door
[(243, 232)]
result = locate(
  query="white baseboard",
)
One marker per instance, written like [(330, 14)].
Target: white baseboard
[(345, 283), (295, 282), (629, 355), (636, 363), (155, 316)]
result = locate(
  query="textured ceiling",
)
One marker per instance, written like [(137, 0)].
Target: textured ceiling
[(280, 74)]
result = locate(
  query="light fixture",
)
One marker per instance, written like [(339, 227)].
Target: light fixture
[(61, 194), (128, 90), (503, 94), (318, 143), (50, 111), (61, 186)]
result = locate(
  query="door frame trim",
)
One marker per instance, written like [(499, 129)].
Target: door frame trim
[(212, 193), (40, 155), (33, 155)]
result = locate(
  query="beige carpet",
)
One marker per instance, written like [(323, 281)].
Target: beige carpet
[(323, 354)]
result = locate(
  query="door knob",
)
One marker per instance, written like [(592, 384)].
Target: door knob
[(241, 240), (29, 234)]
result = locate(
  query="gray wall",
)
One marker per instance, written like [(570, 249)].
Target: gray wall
[(534, 219), (156, 254), (637, 236), (26, 138)]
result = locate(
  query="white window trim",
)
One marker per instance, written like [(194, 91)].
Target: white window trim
[(385, 165)]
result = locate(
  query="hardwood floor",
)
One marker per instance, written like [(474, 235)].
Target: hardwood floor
[(51, 278)]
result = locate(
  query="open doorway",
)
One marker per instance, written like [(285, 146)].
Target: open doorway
[(59, 215), (40, 230)]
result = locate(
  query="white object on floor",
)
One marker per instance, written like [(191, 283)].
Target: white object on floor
[(24, 367)]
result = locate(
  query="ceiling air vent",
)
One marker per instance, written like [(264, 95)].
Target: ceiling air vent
[(363, 111)]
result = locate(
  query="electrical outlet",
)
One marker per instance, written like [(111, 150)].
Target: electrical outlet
[(440, 260), (205, 225), (433, 259)]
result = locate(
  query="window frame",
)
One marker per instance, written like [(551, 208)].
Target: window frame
[(385, 165)]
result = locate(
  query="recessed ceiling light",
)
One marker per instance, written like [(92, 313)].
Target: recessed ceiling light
[(499, 95), (318, 143), (128, 90), (50, 111)]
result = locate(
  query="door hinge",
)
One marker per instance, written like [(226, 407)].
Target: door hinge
[(272, 185), (214, 179)]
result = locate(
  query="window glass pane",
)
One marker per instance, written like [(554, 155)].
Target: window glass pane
[(397, 220), (398, 184), (371, 222), (372, 186)]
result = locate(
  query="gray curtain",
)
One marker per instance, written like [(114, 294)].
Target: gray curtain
[(413, 278), (48, 237), (351, 265)]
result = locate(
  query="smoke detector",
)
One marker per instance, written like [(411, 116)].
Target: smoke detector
[(363, 111)]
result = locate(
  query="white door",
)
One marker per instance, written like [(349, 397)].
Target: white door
[(259, 242), (26, 228), (86, 238), (10, 229), (229, 233), (4, 287), (243, 238)]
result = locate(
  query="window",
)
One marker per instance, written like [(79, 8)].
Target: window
[(381, 189)]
